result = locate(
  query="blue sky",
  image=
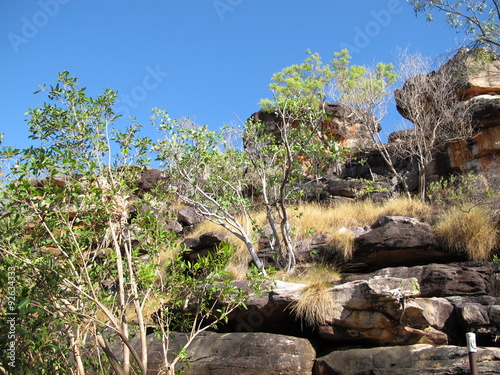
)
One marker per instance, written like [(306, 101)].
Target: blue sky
[(210, 60)]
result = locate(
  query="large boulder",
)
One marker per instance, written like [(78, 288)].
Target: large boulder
[(202, 245), (397, 241), (408, 360), (234, 353), (446, 280), (477, 72)]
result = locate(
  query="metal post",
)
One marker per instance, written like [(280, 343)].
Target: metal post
[(471, 347)]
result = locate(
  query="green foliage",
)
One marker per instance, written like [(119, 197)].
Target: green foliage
[(200, 292), (211, 174), (460, 189), (478, 19), (370, 187), (357, 85), (299, 89), (66, 226)]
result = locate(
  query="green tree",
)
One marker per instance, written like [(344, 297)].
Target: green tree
[(218, 176), (66, 231), (365, 93), (211, 175), (301, 144), (478, 19)]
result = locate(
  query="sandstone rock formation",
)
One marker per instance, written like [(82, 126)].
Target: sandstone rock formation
[(237, 353), (396, 240), (400, 320), (478, 86), (409, 360), (340, 125)]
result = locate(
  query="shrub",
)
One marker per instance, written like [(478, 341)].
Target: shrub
[(458, 189), (472, 231)]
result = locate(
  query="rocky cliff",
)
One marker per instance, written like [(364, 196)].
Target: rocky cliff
[(477, 85)]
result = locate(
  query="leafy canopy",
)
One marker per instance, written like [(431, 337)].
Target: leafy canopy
[(478, 19)]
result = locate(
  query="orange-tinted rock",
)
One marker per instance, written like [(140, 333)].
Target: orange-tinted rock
[(340, 125)]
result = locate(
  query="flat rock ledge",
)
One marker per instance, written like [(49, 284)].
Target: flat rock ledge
[(409, 360)]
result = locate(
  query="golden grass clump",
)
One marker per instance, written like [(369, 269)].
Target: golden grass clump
[(326, 219), (240, 255), (469, 230), (343, 242), (314, 305)]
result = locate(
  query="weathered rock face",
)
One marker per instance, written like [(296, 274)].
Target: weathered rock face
[(340, 125), (472, 289), (236, 353), (396, 241), (379, 311), (479, 72), (400, 320), (446, 280), (431, 304), (409, 360), (478, 85)]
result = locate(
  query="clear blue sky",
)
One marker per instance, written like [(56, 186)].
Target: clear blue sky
[(210, 60)]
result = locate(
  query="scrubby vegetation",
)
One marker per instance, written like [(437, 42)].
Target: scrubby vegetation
[(89, 262)]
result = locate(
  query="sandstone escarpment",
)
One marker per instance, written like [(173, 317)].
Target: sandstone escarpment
[(477, 84)]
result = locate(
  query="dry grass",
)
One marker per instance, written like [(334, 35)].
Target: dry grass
[(314, 305), (317, 273), (343, 242), (312, 219), (469, 230), (404, 207), (325, 219)]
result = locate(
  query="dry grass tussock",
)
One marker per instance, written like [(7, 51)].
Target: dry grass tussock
[(326, 219), (314, 306), (343, 242), (470, 230), (404, 207)]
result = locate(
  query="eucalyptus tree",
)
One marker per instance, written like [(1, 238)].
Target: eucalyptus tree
[(478, 19)]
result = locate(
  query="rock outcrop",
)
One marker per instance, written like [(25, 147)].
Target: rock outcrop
[(213, 353), (340, 124), (396, 240), (477, 84), (409, 360), (400, 320)]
